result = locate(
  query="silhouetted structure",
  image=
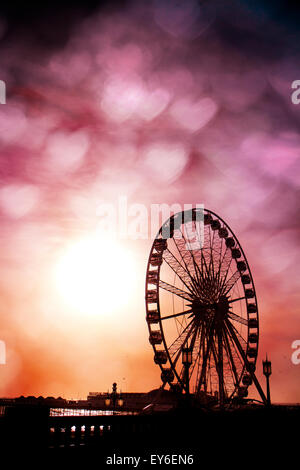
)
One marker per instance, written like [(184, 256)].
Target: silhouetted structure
[(200, 292)]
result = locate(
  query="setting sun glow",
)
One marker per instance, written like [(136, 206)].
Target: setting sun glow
[(95, 276)]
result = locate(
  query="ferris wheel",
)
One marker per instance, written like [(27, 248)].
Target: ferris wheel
[(200, 298)]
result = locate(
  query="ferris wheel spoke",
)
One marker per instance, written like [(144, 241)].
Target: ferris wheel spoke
[(211, 260), (192, 343), (230, 355), (179, 270), (175, 290), (195, 266), (220, 260), (225, 266), (178, 351), (201, 351), (204, 264), (219, 363), (191, 346), (193, 255), (200, 257), (206, 355), (237, 318), (174, 315), (235, 352), (221, 367), (214, 355), (242, 340), (193, 339), (216, 254), (197, 358), (180, 248), (236, 300), (177, 343), (228, 285), (212, 364), (237, 360)]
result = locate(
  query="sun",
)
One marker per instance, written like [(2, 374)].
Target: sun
[(95, 275)]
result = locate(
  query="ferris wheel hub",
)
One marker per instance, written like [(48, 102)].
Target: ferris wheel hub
[(222, 308), (219, 309), (199, 308)]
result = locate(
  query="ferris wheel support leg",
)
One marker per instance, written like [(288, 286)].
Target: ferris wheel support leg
[(246, 362), (220, 371)]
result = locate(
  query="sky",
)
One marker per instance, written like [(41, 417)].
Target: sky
[(153, 102)]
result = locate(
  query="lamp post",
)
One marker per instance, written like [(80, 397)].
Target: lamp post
[(267, 371), (114, 395), (187, 361), (114, 398)]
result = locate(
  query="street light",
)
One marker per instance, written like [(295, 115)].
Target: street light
[(114, 398), (267, 371), (187, 359), (120, 402)]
